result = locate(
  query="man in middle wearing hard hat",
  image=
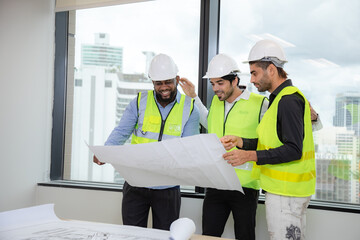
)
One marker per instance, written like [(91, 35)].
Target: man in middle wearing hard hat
[(233, 111), (154, 116)]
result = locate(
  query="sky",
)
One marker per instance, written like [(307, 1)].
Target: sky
[(320, 38), (158, 26)]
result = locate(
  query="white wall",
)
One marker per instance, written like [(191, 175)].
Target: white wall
[(26, 93)]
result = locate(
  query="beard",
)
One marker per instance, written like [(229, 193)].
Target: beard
[(166, 100), (263, 87), (264, 84), (226, 94)]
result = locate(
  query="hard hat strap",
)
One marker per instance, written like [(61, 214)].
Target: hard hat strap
[(274, 60)]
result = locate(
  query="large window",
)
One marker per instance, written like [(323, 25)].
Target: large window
[(112, 49), (321, 40)]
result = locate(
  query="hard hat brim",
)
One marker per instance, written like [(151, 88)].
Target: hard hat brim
[(158, 80), (206, 76), (284, 61)]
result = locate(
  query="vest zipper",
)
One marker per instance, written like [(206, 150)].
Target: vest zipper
[(227, 115), (163, 121), (161, 129)]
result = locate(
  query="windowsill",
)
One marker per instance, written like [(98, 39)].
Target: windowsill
[(100, 186)]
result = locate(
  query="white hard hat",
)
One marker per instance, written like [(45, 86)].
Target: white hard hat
[(162, 67), (267, 50), (221, 65)]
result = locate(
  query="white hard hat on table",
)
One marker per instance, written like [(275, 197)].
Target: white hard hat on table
[(221, 65), (162, 67), (267, 50)]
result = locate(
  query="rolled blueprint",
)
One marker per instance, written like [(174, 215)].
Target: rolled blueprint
[(182, 229)]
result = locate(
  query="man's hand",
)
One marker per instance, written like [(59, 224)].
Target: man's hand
[(188, 87), (230, 141), (314, 115), (239, 157), (95, 160)]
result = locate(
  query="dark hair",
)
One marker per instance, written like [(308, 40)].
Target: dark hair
[(231, 77), (265, 64)]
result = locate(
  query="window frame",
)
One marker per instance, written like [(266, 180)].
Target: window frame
[(208, 47), (60, 83)]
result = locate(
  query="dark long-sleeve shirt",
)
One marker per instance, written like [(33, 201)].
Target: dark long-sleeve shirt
[(290, 129)]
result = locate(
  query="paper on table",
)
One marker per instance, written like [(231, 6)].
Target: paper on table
[(195, 161), (25, 216), (41, 223)]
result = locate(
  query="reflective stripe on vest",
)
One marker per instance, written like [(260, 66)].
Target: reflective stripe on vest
[(151, 127), (296, 178), (242, 120)]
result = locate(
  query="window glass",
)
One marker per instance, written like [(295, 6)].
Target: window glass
[(112, 51), (321, 41)]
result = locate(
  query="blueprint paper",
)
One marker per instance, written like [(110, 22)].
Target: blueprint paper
[(182, 229), (196, 161), (41, 223), (25, 216), (79, 230)]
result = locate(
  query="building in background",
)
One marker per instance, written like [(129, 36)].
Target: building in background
[(336, 165), (130, 84), (101, 53), (101, 93), (347, 111), (338, 152)]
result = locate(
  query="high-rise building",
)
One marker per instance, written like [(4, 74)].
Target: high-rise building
[(336, 163), (101, 93), (347, 111), (101, 53), (129, 85), (338, 152), (94, 107), (149, 56), (94, 116), (347, 115)]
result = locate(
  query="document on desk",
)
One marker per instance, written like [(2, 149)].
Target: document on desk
[(41, 223), (193, 161)]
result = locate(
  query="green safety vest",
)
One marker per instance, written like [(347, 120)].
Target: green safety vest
[(150, 126), (242, 120), (296, 178)]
